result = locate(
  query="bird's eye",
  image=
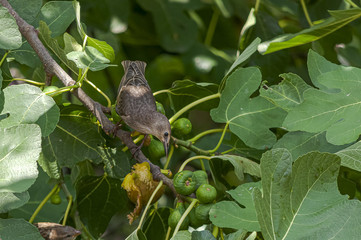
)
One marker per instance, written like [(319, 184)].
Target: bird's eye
[(166, 134)]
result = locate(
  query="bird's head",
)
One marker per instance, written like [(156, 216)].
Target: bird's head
[(162, 130)]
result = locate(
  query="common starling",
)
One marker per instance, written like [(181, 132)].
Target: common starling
[(136, 104)]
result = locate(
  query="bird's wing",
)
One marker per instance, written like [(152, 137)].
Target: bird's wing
[(133, 74)]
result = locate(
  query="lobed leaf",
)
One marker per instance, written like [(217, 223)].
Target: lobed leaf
[(29, 12), (10, 37), (351, 156), (20, 147), (332, 110), (288, 93), (28, 104), (299, 143), (75, 139), (9, 200), (241, 112), (58, 15), (229, 214), (301, 199)]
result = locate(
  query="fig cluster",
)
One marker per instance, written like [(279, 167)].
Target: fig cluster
[(187, 182)]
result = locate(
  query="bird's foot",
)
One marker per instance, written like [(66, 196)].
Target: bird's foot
[(140, 146), (116, 128)]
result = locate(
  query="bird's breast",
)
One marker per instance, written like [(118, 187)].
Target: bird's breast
[(137, 91)]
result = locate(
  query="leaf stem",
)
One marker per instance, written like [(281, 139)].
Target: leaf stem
[(212, 27), (306, 12), (168, 233), (229, 150), (41, 205), (194, 201), (221, 233), (192, 104), (109, 103), (25, 80), (215, 231), (161, 91), (191, 147), (148, 204), (69, 197), (256, 6), (4, 57), (202, 134), (221, 139), (170, 154), (348, 1), (191, 159)]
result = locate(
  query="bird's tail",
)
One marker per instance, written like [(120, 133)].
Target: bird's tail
[(133, 73)]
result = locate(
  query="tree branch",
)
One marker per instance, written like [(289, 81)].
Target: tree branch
[(52, 68)]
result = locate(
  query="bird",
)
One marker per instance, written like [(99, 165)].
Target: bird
[(135, 104), (55, 231)]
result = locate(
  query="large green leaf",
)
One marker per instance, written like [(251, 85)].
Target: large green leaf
[(249, 118), (75, 139), (351, 156), (9, 201), (331, 112), (98, 199), (58, 15), (300, 200), (2, 100), (116, 162), (288, 93), (176, 31), (299, 143), (241, 149), (337, 20), (28, 104), (241, 59), (20, 147), (317, 66), (28, 12), (10, 37), (18, 229), (229, 214), (91, 58), (26, 55), (52, 44)]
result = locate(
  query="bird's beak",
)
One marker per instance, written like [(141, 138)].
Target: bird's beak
[(166, 148)]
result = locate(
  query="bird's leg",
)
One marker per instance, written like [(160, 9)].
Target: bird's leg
[(116, 128), (141, 145)]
